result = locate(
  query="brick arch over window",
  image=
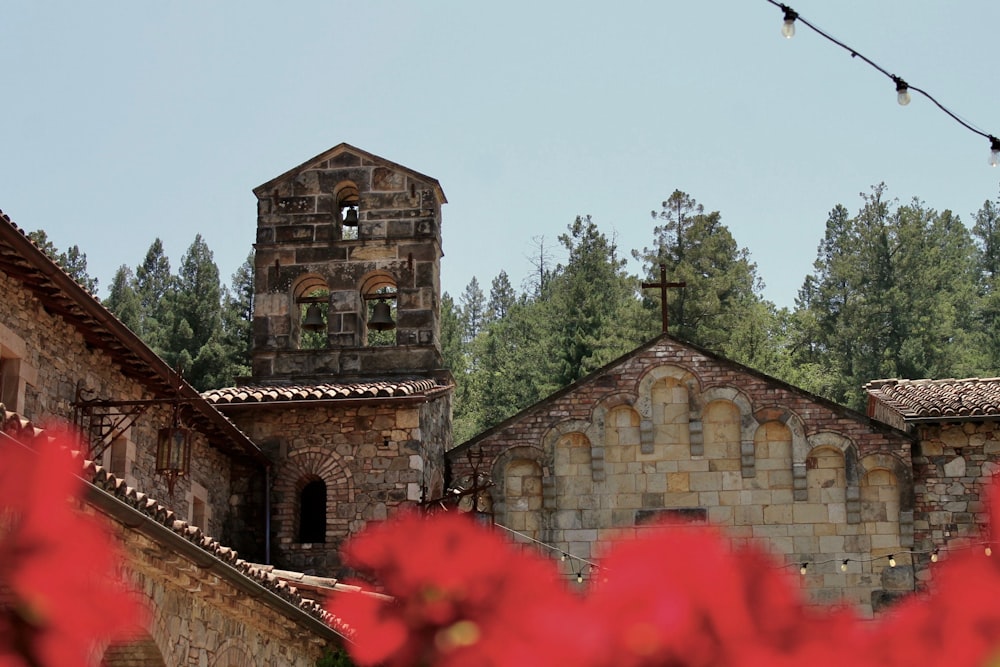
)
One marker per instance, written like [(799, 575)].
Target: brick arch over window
[(836, 441), (313, 463), (141, 650), (231, 654), (599, 429)]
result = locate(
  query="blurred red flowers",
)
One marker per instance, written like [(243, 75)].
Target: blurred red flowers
[(58, 594), (676, 596)]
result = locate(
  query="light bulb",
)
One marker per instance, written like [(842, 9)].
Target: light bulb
[(994, 157), (843, 566), (788, 27), (988, 551), (892, 561), (802, 570), (902, 91), (579, 578), (934, 556)]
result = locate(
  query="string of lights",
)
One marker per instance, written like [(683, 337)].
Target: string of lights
[(934, 554), (902, 87), (581, 564)]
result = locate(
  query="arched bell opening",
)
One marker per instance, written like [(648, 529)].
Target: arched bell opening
[(379, 297), (348, 209), (311, 313)]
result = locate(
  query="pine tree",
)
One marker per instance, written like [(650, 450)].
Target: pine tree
[(123, 300), (891, 297), (72, 261)]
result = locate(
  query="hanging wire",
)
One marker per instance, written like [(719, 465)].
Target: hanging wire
[(902, 87), (563, 555)]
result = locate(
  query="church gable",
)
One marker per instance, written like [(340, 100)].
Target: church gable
[(674, 432)]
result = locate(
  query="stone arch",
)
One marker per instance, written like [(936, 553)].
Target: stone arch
[(598, 420), (748, 423), (370, 286), (655, 374), (773, 455), (300, 467), (141, 650), (231, 654), (347, 197), (310, 290), (676, 377), (593, 430), (721, 431), (498, 474), (902, 472), (886, 508), (847, 448)]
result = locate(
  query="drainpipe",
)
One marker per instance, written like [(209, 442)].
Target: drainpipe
[(267, 515)]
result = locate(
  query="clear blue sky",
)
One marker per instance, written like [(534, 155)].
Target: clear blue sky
[(126, 120)]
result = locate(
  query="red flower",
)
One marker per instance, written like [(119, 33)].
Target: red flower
[(58, 595), (461, 595), (681, 596)]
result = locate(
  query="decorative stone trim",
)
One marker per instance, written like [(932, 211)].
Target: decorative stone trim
[(646, 443), (696, 434), (800, 488)]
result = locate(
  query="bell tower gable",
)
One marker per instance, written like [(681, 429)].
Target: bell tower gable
[(348, 270)]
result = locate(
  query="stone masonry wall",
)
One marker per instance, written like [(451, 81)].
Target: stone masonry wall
[(59, 358), (201, 619), (673, 433), (372, 457), (951, 468)]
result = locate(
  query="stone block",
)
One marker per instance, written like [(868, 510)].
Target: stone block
[(809, 513), (955, 467), (705, 481), (678, 482), (778, 514)]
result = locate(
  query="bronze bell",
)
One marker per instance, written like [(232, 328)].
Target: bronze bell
[(381, 317), (313, 321), (351, 217)]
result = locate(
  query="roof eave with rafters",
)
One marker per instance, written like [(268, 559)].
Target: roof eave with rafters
[(61, 295)]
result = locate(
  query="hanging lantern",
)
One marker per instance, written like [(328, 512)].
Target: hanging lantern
[(173, 453)]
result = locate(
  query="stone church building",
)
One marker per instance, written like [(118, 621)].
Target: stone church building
[(232, 505)]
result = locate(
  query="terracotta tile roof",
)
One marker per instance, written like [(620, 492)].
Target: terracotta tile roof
[(23, 430), (969, 399), (321, 392)]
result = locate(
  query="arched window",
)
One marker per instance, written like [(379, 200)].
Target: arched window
[(312, 512)]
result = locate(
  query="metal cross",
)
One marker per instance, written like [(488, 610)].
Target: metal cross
[(663, 285)]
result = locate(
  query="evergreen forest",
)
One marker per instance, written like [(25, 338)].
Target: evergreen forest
[(897, 290)]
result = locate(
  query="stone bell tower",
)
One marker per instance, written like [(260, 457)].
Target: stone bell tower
[(348, 270), (347, 395)]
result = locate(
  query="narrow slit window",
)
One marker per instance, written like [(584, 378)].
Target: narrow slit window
[(312, 512)]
